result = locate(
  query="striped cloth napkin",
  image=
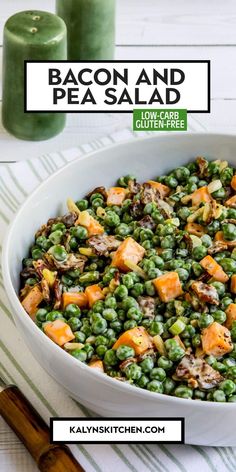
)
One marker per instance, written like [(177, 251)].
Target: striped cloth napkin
[(17, 364)]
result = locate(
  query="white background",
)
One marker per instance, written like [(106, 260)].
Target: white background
[(172, 430), (193, 90)]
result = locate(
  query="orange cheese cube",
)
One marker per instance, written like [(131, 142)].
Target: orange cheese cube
[(137, 338), (231, 315), (231, 202), (32, 300), (163, 189), (98, 365), (201, 195), (79, 299), (233, 284), (59, 332), (93, 294), (129, 250), (214, 269), (93, 226), (233, 182), (116, 195), (168, 286), (216, 340)]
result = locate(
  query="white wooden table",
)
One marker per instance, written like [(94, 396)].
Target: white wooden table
[(148, 29)]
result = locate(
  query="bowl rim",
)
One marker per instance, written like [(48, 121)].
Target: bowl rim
[(45, 341)]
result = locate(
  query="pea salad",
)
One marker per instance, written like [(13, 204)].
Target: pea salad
[(138, 281)]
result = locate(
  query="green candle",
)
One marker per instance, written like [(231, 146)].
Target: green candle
[(30, 35), (91, 28)]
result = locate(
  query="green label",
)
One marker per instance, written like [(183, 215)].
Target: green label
[(159, 120)]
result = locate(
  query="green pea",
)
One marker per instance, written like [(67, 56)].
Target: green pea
[(54, 315), (129, 324), (149, 208), (176, 353), (74, 323), (31, 281), (199, 395), (219, 366), (72, 310), (58, 252), (196, 340), (37, 253), (110, 302), (56, 237), (149, 288), (228, 387), (213, 168), (219, 316), (43, 242), (219, 194), (124, 352), (158, 373), (97, 202), (101, 350), (183, 213), (199, 252), (219, 396), (233, 331), (41, 314), (27, 262), (182, 174), (205, 320), (232, 399), (220, 288), (156, 328), (143, 381), (229, 231), (58, 227), (73, 244), (109, 275), (133, 371), (232, 372), (109, 314), (121, 292), (157, 217), (79, 232), (111, 219), (188, 332), (101, 340), (145, 234), (127, 280), (226, 175), (79, 337), (231, 213), (99, 326), (82, 204), (168, 385), (122, 230), (98, 306), (213, 227), (79, 354), (164, 363), (191, 187), (147, 364), (206, 240), (129, 302), (183, 274), (110, 333), (110, 358), (183, 392), (167, 254), (88, 277), (134, 314), (171, 181), (167, 242), (226, 301), (155, 386), (137, 290), (89, 350), (121, 314)]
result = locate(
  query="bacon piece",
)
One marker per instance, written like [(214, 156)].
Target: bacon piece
[(206, 293), (198, 373)]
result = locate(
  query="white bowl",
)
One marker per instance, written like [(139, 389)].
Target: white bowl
[(207, 423)]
